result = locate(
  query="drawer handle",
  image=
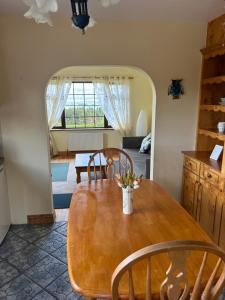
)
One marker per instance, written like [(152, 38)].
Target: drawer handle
[(209, 175)]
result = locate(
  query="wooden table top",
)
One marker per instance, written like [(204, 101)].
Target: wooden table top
[(100, 236), (82, 160)]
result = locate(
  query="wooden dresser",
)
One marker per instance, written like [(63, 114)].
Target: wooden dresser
[(203, 192)]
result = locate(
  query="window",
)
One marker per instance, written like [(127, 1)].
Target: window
[(82, 109)]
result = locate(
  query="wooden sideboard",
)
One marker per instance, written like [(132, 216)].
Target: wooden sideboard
[(203, 193)]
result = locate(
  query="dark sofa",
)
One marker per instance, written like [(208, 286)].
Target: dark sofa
[(141, 160)]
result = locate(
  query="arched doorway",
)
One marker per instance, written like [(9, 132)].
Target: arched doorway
[(143, 98)]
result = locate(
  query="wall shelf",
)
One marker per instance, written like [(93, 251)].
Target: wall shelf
[(214, 108), (203, 194), (213, 52), (212, 89), (214, 80), (212, 133)]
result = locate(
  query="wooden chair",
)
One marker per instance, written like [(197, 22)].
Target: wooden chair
[(175, 286), (108, 162)]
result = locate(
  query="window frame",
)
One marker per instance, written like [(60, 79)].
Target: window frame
[(63, 118)]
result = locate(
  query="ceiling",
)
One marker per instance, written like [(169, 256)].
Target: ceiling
[(193, 10)]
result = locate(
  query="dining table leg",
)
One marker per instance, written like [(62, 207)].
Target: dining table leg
[(78, 175), (104, 176)]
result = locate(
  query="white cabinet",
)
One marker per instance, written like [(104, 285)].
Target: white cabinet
[(4, 205)]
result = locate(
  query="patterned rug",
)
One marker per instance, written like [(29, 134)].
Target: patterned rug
[(59, 171), (61, 201)]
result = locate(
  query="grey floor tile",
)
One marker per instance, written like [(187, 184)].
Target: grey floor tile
[(222, 296), (57, 224), (33, 232), (51, 242), (61, 254), (7, 272), (44, 296), (18, 228), (62, 229), (27, 257), (46, 271), (11, 244), (61, 288), (73, 296), (48, 227), (21, 288)]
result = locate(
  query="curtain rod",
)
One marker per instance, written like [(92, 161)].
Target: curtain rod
[(95, 77)]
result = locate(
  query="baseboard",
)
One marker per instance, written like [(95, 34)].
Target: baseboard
[(41, 219)]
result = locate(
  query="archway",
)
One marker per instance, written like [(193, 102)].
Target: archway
[(143, 97)]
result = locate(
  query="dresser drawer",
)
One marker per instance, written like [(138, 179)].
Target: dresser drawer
[(210, 175), (192, 164)]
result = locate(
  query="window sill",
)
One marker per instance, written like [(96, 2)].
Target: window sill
[(82, 129)]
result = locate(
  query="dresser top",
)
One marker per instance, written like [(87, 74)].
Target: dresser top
[(204, 157)]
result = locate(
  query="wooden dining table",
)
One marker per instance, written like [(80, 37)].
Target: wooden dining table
[(100, 236)]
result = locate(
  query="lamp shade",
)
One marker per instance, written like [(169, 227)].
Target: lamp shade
[(141, 125)]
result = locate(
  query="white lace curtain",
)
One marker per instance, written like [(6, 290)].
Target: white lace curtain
[(56, 97), (113, 95)]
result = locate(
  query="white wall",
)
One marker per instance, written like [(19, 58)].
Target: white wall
[(31, 53)]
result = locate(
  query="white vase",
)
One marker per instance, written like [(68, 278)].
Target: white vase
[(127, 201), (221, 127)]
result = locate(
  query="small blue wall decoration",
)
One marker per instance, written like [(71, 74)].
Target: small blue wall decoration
[(176, 88)]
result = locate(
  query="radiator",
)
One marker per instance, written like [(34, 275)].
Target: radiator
[(78, 141)]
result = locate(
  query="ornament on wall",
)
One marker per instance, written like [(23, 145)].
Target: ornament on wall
[(176, 88)]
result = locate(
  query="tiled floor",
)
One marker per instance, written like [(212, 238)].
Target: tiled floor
[(33, 263)]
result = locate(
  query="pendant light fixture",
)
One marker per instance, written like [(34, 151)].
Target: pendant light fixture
[(80, 15), (40, 10)]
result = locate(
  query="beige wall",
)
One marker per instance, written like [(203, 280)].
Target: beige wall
[(31, 53), (141, 99), (1, 144)]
